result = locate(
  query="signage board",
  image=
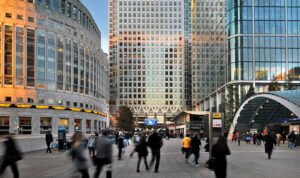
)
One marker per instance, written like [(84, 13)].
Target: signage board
[(217, 123), (217, 115), (150, 122)]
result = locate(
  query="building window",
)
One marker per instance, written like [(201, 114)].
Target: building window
[(75, 67), (69, 6), (30, 57), (30, 100), (77, 125), (48, 3), (20, 17), (81, 105), (30, 19), (41, 101), (7, 98), (60, 63), (55, 5), (41, 59), (86, 106), (79, 16), (8, 15), (68, 65), (51, 62), (75, 104), (19, 56), (59, 102), (25, 125), (8, 56), (4, 125), (63, 6), (68, 103), (39, 2), (50, 101), (46, 125), (74, 12), (88, 126), (19, 99), (31, 1)]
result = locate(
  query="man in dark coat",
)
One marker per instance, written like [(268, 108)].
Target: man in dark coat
[(195, 144), (49, 139), (155, 143), (120, 145), (270, 141), (11, 156)]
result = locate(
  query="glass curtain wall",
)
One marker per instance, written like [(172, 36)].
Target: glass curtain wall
[(8, 56), (51, 62), (30, 57), (81, 69), (68, 65), (0, 55), (60, 63), (75, 67), (87, 69), (41, 59), (19, 56)]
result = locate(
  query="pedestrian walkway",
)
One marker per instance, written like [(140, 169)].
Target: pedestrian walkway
[(245, 161)]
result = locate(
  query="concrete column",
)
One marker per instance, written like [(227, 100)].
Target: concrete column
[(211, 103), (219, 101), (83, 126), (92, 126), (13, 123), (71, 126), (35, 124), (55, 125)]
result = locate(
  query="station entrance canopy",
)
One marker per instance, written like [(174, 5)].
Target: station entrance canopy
[(262, 109)]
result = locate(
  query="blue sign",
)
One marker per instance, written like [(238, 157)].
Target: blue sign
[(288, 119), (150, 122)]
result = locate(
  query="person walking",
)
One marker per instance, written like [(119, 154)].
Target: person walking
[(120, 146), (219, 152), (292, 140), (270, 141), (103, 155), (283, 136), (78, 157), (141, 149), (155, 143), (91, 146), (195, 144), (254, 137), (11, 155), (48, 139), (186, 146), (136, 139), (259, 138), (233, 137), (248, 138), (239, 137)]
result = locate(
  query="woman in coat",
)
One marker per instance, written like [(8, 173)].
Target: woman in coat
[(219, 152), (77, 154), (141, 149)]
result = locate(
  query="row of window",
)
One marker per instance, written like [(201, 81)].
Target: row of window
[(19, 17), (150, 102)]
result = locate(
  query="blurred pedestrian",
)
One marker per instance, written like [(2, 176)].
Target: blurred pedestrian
[(219, 152), (283, 136), (155, 143), (195, 144), (186, 146), (239, 137), (77, 154), (103, 155), (11, 155), (292, 140), (49, 139), (254, 138), (259, 138), (270, 141), (141, 149), (136, 139), (233, 137), (117, 137), (91, 146), (120, 146)]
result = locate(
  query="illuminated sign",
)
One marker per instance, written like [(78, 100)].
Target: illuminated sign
[(23, 106), (86, 110), (217, 123), (150, 122), (217, 115), (42, 107), (5, 105)]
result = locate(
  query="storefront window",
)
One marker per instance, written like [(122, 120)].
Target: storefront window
[(19, 56), (88, 126), (77, 125), (25, 125), (46, 125), (64, 122), (4, 125)]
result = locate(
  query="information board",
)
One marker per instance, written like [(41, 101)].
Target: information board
[(217, 123)]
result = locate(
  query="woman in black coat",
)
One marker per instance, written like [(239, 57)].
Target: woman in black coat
[(141, 149), (269, 143), (219, 152)]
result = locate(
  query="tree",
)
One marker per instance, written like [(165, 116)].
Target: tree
[(250, 92), (274, 86), (232, 103), (125, 119), (288, 84)]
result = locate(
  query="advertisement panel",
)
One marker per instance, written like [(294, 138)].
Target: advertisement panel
[(150, 122)]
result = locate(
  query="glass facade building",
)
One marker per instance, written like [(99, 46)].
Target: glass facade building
[(51, 59)]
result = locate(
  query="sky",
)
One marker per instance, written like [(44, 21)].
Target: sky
[(99, 11)]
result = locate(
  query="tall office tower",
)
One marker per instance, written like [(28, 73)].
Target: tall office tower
[(147, 57), (208, 47), (263, 45)]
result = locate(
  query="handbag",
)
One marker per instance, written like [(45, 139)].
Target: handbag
[(210, 164)]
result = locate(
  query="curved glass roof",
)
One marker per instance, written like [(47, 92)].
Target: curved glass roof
[(260, 111)]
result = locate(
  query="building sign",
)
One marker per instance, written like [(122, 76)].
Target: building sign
[(217, 123), (150, 122), (288, 120), (217, 115)]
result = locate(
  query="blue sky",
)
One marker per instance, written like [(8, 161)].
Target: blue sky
[(99, 11)]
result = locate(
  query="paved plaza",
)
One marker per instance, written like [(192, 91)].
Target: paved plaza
[(245, 161)]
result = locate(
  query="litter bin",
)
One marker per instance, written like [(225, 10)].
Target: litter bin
[(61, 137)]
